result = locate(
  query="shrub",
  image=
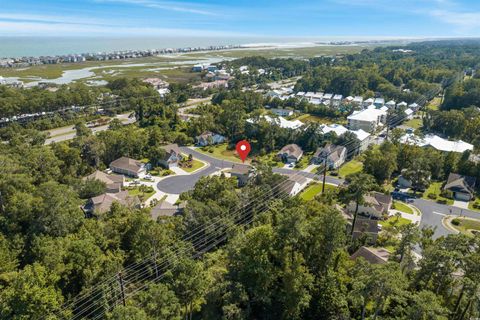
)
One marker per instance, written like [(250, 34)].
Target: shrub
[(442, 201), (456, 222), (334, 173), (432, 196), (476, 205), (167, 172)]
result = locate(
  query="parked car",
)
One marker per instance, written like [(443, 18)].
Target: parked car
[(148, 177)]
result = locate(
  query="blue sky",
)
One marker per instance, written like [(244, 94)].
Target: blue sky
[(321, 18)]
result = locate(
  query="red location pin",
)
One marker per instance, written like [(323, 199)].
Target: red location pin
[(243, 149)]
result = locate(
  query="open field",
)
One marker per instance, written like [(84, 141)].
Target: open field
[(350, 167)]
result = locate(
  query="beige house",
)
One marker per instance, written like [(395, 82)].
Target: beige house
[(102, 203), (291, 153), (127, 166), (114, 182), (376, 205)]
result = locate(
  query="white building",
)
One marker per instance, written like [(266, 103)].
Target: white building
[(379, 102), (328, 96), (282, 112), (367, 120), (368, 102), (390, 104), (357, 101), (363, 136), (280, 121), (402, 104), (437, 142), (337, 100)]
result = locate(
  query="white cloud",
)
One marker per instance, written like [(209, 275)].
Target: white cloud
[(166, 5), (464, 20), (50, 18)]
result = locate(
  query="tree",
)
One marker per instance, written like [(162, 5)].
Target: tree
[(91, 188), (159, 302), (426, 305), (359, 184), (127, 313), (417, 174), (381, 162), (82, 130)]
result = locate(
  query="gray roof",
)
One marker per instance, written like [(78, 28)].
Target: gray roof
[(241, 169), (103, 202), (333, 152), (459, 183), (292, 150), (165, 209), (171, 148), (106, 178), (127, 164), (372, 255)]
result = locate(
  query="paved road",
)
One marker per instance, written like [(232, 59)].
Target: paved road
[(68, 133), (179, 184)]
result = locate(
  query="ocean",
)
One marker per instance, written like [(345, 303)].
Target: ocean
[(14, 47)]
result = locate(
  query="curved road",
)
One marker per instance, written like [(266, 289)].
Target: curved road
[(179, 184)]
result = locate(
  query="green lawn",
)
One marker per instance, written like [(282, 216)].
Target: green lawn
[(314, 189), (465, 225), (350, 167), (195, 166), (303, 163), (470, 205), (400, 206), (434, 104), (142, 195), (398, 221), (436, 188), (414, 123), (220, 152)]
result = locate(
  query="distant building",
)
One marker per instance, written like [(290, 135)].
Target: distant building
[(209, 138), (367, 120), (282, 112), (337, 100), (362, 136), (390, 104), (436, 142), (357, 101), (372, 255), (127, 166), (414, 106), (243, 173), (334, 155), (280, 121), (113, 182), (291, 153), (462, 187), (368, 102), (197, 68), (379, 102), (401, 105)]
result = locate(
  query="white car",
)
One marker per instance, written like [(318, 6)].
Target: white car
[(148, 177)]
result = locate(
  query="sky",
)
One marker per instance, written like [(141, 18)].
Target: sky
[(279, 18)]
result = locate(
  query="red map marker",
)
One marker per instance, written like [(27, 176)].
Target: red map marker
[(243, 149)]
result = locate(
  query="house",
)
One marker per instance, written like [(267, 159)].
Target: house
[(243, 173), (408, 113), (280, 121), (368, 102), (165, 209), (375, 205), (414, 106), (357, 101), (327, 96), (172, 157), (363, 136), (436, 142), (390, 104), (402, 105), (372, 255), (334, 155), (366, 229), (294, 184), (102, 203), (197, 68), (127, 166), (462, 187), (368, 119), (309, 95), (337, 100), (379, 102), (291, 153), (114, 182), (209, 138), (300, 94), (348, 100), (282, 112)]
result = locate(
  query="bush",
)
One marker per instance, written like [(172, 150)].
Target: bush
[(166, 172), (476, 205), (442, 201), (334, 173), (432, 196), (456, 222)]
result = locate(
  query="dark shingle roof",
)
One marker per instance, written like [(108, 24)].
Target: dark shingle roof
[(372, 255)]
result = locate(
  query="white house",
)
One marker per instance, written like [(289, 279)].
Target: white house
[(414, 106), (294, 184), (357, 101), (402, 104), (280, 121), (334, 156), (208, 138), (409, 113), (363, 136), (282, 112), (327, 96), (368, 119), (391, 104), (379, 102), (337, 100), (368, 102), (437, 142)]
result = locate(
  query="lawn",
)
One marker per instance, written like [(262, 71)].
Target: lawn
[(314, 189), (220, 152), (311, 118), (400, 206), (398, 221), (414, 123), (350, 167), (466, 225), (436, 189), (434, 104), (303, 163), (470, 205), (195, 166), (142, 195)]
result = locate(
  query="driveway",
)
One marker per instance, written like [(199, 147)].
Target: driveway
[(179, 184)]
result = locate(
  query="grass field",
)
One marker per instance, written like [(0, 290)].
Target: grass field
[(436, 188), (434, 104), (314, 189), (466, 225), (142, 195), (400, 206), (350, 167), (397, 221), (195, 166), (220, 152), (414, 123)]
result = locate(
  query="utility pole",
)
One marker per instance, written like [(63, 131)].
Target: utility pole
[(122, 288), (324, 174)]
